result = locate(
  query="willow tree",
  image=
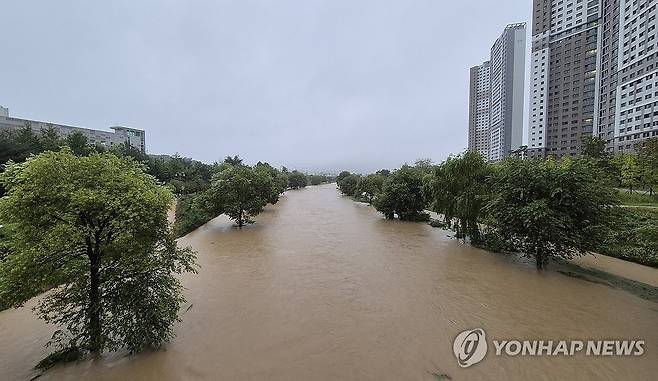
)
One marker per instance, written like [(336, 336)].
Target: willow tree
[(94, 229), (458, 190)]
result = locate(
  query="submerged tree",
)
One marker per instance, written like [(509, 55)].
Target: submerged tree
[(297, 180), (239, 192), (402, 195), (96, 227), (278, 183), (548, 209), (458, 189), (369, 186), (347, 183)]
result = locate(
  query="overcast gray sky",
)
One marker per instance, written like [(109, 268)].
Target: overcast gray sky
[(312, 84)]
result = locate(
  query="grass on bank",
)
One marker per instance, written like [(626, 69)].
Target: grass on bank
[(637, 199), (634, 237)]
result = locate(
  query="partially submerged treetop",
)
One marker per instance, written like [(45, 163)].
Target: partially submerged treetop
[(96, 226)]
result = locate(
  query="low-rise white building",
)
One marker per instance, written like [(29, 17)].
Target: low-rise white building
[(132, 136)]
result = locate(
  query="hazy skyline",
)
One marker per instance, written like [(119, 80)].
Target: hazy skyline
[(316, 85)]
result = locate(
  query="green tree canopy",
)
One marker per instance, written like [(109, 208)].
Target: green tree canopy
[(297, 180), (547, 209), (348, 183), (593, 147), (369, 186), (458, 189), (278, 183), (78, 143), (402, 195), (97, 226), (628, 170), (647, 154), (239, 192), (235, 160)]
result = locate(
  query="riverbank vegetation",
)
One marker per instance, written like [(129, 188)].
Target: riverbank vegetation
[(239, 191), (88, 225), (92, 229), (543, 208)]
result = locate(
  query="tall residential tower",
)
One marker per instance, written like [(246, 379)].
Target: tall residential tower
[(563, 86), (478, 110), (496, 97), (628, 101), (594, 72)]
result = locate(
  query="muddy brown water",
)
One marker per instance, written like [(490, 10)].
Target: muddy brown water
[(323, 288)]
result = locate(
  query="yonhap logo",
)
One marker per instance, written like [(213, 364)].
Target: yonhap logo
[(470, 347)]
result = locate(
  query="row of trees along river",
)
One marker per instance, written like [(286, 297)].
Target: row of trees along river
[(542, 208), (90, 225)]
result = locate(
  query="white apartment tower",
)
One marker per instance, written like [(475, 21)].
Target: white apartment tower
[(501, 81), (478, 115), (507, 86)]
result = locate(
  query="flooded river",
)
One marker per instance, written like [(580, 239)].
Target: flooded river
[(323, 288)]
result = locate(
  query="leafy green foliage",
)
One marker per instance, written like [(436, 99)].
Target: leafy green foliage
[(369, 186), (319, 179), (190, 214), (278, 183), (97, 226), (593, 147), (383, 172), (627, 170), (347, 183), (633, 237), (240, 192), (458, 189), (402, 195), (647, 154), (547, 209), (235, 160), (184, 175), (18, 145), (297, 180), (78, 143)]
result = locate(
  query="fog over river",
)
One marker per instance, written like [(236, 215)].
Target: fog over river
[(323, 288)]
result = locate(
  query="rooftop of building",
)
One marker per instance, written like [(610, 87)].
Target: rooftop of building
[(6, 116)]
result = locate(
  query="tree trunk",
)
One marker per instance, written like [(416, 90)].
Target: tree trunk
[(95, 336), (240, 219), (541, 261)]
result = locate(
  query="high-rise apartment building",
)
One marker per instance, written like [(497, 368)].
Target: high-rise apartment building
[(131, 136), (563, 92), (507, 87), (594, 72), (478, 115), (628, 105), (496, 97)]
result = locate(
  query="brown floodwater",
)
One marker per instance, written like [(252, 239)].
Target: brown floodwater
[(324, 288)]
